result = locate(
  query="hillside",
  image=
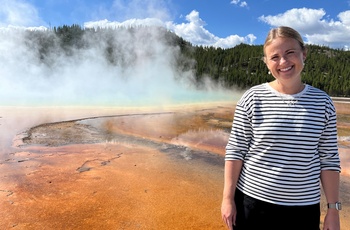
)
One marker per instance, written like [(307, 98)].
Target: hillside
[(241, 66)]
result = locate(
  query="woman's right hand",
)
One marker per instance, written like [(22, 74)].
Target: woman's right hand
[(228, 213)]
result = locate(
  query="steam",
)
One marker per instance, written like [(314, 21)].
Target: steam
[(147, 74)]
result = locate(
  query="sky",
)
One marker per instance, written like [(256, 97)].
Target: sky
[(218, 23)]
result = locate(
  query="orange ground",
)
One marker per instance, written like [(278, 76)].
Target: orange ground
[(121, 184)]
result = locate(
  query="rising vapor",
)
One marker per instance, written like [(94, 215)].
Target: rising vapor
[(107, 67)]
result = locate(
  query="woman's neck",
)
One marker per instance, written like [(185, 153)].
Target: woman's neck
[(287, 89)]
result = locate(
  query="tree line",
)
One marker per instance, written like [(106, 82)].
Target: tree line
[(240, 66), (325, 68)]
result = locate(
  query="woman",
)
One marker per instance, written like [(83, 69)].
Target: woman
[(282, 144)]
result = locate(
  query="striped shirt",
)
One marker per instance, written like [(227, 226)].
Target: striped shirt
[(285, 141)]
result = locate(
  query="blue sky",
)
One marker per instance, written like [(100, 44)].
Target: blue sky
[(221, 23)]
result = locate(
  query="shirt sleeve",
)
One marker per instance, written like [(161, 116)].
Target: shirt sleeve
[(241, 132), (328, 145)]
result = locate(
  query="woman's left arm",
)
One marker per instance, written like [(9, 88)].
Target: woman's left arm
[(330, 184), (330, 167)]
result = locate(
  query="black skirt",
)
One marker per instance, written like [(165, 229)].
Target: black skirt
[(253, 214)]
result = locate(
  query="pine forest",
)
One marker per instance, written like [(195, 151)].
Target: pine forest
[(240, 66)]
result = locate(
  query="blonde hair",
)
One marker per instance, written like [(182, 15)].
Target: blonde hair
[(284, 32)]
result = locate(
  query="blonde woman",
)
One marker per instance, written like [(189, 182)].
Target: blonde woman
[(283, 144)]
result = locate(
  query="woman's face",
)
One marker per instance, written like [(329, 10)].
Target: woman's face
[(285, 58)]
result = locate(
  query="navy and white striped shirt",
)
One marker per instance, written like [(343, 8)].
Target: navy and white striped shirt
[(284, 141)]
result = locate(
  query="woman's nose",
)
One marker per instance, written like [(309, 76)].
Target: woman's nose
[(283, 59)]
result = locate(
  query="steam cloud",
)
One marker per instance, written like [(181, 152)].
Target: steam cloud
[(146, 76)]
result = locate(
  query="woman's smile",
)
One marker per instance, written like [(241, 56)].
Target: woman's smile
[(286, 69)]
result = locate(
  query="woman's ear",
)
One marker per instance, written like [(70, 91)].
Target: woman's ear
[(304, 53)]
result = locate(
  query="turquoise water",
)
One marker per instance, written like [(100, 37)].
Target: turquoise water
[(110, 92)]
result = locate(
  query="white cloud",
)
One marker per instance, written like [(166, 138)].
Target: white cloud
[(239, 3), (18, 13), (345, 17), (193, 30), (300, 19), (243, 4), (128, 23), (314, 26), (234, 40)]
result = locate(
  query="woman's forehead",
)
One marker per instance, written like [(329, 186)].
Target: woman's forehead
[(282, 44)]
